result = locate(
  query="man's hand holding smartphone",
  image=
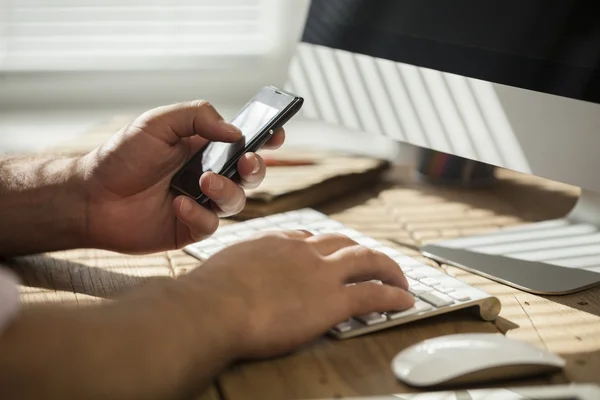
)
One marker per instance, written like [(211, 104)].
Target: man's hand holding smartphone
[(258, 120), (131, 206)]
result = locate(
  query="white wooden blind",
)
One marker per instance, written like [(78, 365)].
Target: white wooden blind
[(46, 35)]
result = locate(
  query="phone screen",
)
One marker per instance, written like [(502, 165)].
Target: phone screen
[(250, 120), (269, 108)]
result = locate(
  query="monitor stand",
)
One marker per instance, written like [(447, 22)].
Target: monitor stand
[(554, 257)]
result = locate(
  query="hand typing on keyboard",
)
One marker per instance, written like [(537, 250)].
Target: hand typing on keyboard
[(275, 291), (435, 292)]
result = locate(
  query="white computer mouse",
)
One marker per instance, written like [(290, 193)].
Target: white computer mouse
[(471, 358)]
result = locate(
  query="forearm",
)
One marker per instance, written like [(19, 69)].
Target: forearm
[(42, 205), (144, 348)]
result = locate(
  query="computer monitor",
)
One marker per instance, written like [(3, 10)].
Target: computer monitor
[(510, 83)]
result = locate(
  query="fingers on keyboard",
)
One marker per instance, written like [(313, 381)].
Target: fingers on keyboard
[(368, 297), (365, 301), (359, 264), (418, 307), (330, 243)]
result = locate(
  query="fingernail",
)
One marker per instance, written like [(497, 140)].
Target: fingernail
[(215, 183), (256, 165), (230, 128), (185, 206)]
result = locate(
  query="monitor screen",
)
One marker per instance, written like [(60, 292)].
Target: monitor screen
[(550, 46)]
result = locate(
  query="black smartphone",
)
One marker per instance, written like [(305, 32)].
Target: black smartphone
[(267, 111)]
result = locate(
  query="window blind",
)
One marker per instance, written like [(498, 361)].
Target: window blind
[(47, 35)]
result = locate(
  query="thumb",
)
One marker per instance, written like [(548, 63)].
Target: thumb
[(187, 119), (200, 222)]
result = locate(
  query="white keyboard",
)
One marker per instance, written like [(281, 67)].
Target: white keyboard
[(435, 292)]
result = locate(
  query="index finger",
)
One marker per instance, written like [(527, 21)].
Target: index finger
[(360, 264), (176, 121)]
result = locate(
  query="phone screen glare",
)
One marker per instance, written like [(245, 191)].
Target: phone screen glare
[(250, 121)]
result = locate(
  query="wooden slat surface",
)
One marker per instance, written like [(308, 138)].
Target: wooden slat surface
[(409, 214), (412, 213)]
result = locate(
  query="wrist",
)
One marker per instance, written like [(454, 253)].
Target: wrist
[(44, 203), (202, 340), (68, 214), (75, 188), (216, 320)]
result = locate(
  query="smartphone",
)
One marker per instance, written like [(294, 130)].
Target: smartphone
[(258, 119)]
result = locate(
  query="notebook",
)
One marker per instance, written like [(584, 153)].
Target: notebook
[(290, 188)]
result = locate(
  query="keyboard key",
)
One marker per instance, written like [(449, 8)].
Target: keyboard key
[(405, 260), (311, 215), (411, 282), (419, 306), (351, 233), (444, 289), (294, 214), (213, 249), (258, 223), (372, 318), (367, 241), (207, 243), (228, 239), (437, 299), (429, 281), (227, 228), (459, 296), (294, 226), (246, 234), (326, 224), (276, 218), (418, 289), (272, 229), (344, 326), (323, 231), (416, 275), (388, 251)]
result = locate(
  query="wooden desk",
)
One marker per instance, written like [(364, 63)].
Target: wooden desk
[(401, 210)]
